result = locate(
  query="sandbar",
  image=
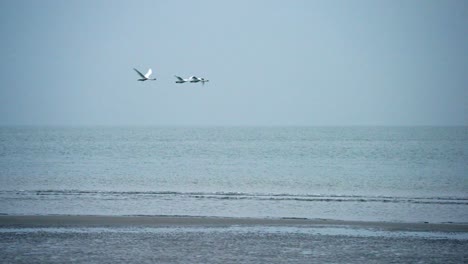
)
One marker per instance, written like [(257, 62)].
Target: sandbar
[(18, 221)]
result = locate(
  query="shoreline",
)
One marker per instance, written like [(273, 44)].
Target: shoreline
[(88, 221)]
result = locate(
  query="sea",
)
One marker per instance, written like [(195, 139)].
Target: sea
[(391, 174)]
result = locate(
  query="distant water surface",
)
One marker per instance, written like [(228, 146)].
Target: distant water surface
[(407, 174)]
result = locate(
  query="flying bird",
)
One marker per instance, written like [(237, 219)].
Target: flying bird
[(195, 79), (181, 80), (192, 79), (145, 77), (203, 80)]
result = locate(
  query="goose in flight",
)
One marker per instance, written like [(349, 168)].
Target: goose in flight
[(145, 77)]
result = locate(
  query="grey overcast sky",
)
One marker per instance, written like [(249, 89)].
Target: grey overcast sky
[(313, 63)]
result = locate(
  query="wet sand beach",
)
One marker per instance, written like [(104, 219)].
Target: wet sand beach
[(184, 221), (180, 239)]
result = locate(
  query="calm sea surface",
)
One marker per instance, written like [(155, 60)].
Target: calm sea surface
[(407, 174)]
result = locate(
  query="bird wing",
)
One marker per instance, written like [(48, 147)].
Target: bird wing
[(180, 79), (147, 75), (139, 73)]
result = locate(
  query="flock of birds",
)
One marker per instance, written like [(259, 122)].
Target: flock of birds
[(192, 79)]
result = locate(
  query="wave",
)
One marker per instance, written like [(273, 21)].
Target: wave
[(118, 195)]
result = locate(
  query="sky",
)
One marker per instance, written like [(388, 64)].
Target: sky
[(270, 63)]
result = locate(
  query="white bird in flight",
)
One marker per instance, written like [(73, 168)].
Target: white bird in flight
[(192, 79), (145, 77), (181, 80), (202, 80), (195, 79)]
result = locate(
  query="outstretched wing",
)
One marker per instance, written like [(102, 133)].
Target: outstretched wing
[(180, 79), (139, 73), (147, 75)]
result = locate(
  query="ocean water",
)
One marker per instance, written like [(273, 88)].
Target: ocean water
[(403, 174)]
